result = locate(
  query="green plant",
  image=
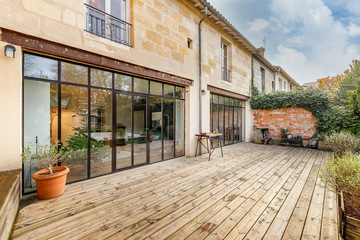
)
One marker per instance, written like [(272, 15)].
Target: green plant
[(343, 174), (45, 156), (284, 132), (342, 142)]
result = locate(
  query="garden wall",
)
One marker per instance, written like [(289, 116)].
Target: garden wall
[(299, 121)]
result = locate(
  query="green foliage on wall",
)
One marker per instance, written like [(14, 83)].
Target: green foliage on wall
[(329, 118)]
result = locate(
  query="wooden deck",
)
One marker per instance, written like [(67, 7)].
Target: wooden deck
[(253, 192)]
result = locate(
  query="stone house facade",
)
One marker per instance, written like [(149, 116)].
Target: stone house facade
[(124, 76)]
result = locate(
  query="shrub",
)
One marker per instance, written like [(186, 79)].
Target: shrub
[(341, 142), (343, 174)]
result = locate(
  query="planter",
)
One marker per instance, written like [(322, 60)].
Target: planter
[(349, 227), (50, 185), (291, 142)]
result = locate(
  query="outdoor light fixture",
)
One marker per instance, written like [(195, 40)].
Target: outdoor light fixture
[(10, 51)]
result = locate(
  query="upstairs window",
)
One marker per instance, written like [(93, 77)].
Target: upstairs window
[(262, 80), (108, 19), (225, 72)]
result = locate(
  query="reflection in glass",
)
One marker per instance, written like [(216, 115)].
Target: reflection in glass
[(99, 4), (141, 85), (100, 78), (215, 120), (227, 129), (231, 125), (40, 120), (101, 131), (221, 121), (118, 9), (168, 90), (180, 92), (123, 130), (221, 100), (74, 73), (180, 128), (155, 129), (74, 131), (40, 67), (236, 127), (123, 82), (168, 128), (155, 88), (140, 130)]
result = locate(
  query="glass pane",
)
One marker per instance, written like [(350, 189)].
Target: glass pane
[(140, 129), (101, 131), (123, 82), (74, 73), (123, 130), (231, 125), (180, 128), (40, 120), (168, 130), (168, 90), (99, 4), (118, 9), (231, 103), (227, 129), (155, 88), (40, 67), (214, 121), (226, 100), (100, 78), (221, 100), (221, 121), (74, 132), (141, 85), (236, 122), (155, 129), (215, 98), (180, 92)]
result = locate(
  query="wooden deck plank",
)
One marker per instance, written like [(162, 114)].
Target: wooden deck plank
[(271, 202), (281, 220), (209, 219), (75, 216), (245, 194), (207, 226)]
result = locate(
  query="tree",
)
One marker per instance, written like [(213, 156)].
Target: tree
[(349, 87)]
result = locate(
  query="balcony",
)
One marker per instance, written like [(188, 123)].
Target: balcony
[(104, 25), (225, 74)]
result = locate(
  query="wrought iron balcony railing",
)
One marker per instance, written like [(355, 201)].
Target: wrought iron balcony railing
[(225, 74), (107, 26)]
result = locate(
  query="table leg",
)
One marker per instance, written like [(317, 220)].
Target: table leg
[(211, 143), (197, 143), (207, 144)]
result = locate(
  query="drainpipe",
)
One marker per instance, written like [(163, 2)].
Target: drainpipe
[(200, 74)]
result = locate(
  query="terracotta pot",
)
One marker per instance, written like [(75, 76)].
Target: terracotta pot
[(50, 185)]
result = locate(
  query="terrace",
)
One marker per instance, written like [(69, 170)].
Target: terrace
[(253, 192)]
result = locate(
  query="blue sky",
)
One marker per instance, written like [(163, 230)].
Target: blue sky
[(310, 39)]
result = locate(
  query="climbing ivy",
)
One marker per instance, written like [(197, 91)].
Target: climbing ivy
[(329, 118)]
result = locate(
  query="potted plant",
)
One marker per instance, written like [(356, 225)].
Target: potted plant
[(50, 181)]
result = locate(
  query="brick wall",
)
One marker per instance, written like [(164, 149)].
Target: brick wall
[(299, 121)]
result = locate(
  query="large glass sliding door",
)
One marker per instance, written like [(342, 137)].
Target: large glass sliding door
[(227, 116), (106, 121)]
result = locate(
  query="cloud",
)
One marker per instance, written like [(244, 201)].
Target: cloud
[(258, 25), (354, 30)]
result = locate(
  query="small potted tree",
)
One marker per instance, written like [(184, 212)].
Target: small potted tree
[(50, 180)]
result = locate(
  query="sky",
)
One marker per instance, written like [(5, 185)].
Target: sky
[(309, 39)]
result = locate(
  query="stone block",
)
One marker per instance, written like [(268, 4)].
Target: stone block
[(177, 56), (153, 36), (162, 30), (170, 44)]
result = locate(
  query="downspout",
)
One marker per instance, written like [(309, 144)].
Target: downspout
[(200, 73)]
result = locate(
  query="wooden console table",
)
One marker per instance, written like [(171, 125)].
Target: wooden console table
[(209, 137)]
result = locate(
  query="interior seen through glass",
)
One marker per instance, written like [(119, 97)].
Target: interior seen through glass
[(105, 121)]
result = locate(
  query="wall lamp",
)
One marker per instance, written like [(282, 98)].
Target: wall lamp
[(10, 51)]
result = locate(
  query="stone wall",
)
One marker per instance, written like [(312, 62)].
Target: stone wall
[(300, 122)]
